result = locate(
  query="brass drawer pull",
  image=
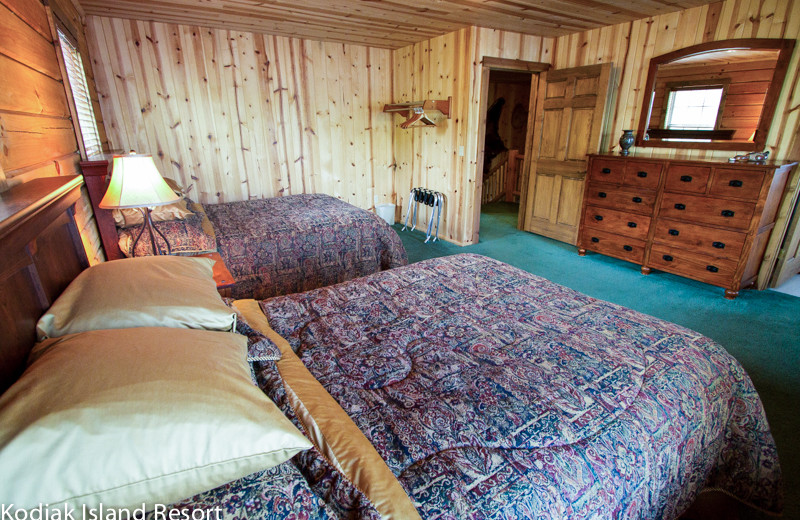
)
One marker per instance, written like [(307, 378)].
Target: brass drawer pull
[(680, 206), (595, 240), (642, 174), (606, 170), (718, 245), (637, 200), (598, 217), (686, 178), (736, 184), (602, 195), (627, 248), (727, 213), (674, 232), (712, 268), (631, 224), (667, 258)]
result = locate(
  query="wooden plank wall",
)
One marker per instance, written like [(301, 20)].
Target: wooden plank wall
[(37, 138), (450, 65), (242, 115), (631, 45)]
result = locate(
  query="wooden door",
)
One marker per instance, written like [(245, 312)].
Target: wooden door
[(569, 121)]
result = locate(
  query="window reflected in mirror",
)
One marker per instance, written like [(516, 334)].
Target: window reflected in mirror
[(693, 107), (714, 95)]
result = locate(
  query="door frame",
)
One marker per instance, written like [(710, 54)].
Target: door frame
[(488, 64)]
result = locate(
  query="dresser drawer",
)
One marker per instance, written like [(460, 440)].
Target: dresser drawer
[(717, 271), (607, 170), (625, 248), (614, 197), (721, 212), (689, 179), (692, 237), (741, 184), (642, 174), (617, 222)]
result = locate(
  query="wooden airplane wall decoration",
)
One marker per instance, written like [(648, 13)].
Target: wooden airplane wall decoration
[(414, 112)]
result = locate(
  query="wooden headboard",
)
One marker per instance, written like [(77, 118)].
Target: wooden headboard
[(40, 254), (95, 174)]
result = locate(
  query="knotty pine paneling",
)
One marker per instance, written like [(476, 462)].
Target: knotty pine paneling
[(240, 115), (631, 45), (450, 65), (37, 138)]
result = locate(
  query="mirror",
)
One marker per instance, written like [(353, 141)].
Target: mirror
[(716, 96)]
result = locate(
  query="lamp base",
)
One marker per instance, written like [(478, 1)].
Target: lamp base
[(151, 229)]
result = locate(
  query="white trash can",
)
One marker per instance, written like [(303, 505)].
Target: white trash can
[(386, 212)]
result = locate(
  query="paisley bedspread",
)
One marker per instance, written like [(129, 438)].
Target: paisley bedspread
[(295, 243), (494, 393)]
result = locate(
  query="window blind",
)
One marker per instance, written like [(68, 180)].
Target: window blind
[(80, 94)]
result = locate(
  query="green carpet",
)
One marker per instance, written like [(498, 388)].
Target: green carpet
[(760, 328)]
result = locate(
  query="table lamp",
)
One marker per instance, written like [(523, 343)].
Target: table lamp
[(136, 183)]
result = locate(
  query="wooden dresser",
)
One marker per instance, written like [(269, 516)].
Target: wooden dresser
[(709, 221)]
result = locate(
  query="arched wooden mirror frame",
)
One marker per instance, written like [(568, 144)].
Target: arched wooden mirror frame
[(784, 48)]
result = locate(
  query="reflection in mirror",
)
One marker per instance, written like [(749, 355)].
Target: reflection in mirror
[(718, 95)]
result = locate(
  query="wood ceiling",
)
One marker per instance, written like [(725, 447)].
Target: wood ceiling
[(387, 23)]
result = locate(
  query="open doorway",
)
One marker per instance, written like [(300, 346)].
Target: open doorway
[(507, 113), (510, 123), (507, 110)]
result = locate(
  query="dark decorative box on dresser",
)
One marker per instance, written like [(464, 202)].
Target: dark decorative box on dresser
[(709, 221)]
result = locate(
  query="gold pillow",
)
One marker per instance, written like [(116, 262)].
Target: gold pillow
[(151, 291), (133, 217), (131, 416), (206, 223)]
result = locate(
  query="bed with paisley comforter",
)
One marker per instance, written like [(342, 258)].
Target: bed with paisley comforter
[(290, 244), (457, 387), (279, 245), (462, 387)]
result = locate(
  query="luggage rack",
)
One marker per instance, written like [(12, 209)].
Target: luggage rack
[(433, 199)]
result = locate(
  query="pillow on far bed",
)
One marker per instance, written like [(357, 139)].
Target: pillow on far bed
[(177, 211), (191, 235), (131, 416), (152, 291), (133, 217)]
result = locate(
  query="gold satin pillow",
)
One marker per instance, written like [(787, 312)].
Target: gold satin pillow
[(151, 291), (131, 416), (208, 228), (174, 186), (133, 217)]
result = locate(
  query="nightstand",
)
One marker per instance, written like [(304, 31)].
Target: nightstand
[(222, 276)]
